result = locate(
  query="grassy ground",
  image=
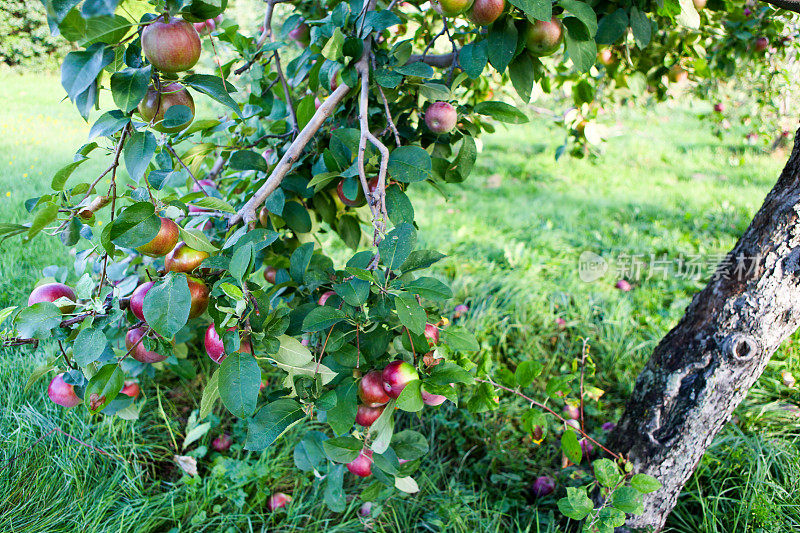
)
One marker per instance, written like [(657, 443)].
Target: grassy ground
[(664, 186)]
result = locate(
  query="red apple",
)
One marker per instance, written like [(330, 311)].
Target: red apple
[(366, 415), (131, 389), (361, 465), (543, 486), (222, 443), (719, 108), (325, 296), (761, 44), (623, 285), (172, 46), (184, 259), (163, 242), (357, 202), (441, 117), (370, 389), (62, 393), (460, 310), (263, 216), (50, 292), (140, 353), (484, 12), (270, 273), (586, 447), (204, 186), (205, 28), (301, 34), (278, 500), (543, 38), (155, 104), (215, 347), (396, 376), (432, 334), (137, 299), (572, 412), (200, 296), (432, 399)]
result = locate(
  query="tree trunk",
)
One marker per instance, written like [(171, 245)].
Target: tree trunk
[(703, 368)]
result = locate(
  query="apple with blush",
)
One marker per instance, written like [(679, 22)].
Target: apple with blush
[(215, 347), (371, 390), (182, 258), (171, 44), (544, 37), (358, 201), (50, 292), (366, 415), (164, 241), (62, 393), (485, 12), (441, 117), (222, 443), (156, 103), (270, 274), (134, 343), (136, 301), (325, 296), (200, 296), (396, 376), (361, 465), (131, 388), (278, 500)]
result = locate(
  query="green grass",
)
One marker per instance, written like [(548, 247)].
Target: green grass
[(514, 232)]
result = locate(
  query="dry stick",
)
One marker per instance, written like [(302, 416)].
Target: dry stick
[(114, 164), (172, 151), (248, 212), (441, 61), (542, 406)]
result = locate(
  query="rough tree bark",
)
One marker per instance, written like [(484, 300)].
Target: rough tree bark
[(702, 369)]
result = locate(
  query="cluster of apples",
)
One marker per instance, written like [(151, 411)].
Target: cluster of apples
[(171, 45), (375, 390)]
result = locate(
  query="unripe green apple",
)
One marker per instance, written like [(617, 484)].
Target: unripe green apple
[(543, 38)]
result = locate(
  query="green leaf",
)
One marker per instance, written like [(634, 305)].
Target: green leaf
[(239, 383), (612, 27), (108, 124), (583, 12), (106, 384), (447, 373), (409, 164), (398, 206), (241, 262), (460, 339), (582, 50), (89, 346), (138, 151), (406, 484), (60, 178), (214, 87), (342, 449), (527, 371), (473, 58), (334, 496), (210, 395), (323, 318), (167, 304), (308, 454), (689, 16), (197, 240), (645, 483), (136, 225), (410, 313), (96, 8), (576, 505), (354, 292), (342, 416), (417, 69), (628, 500), (129, 86), (419, 259), (297, 217), (641, 27), (272, 421), (36, 321), (248, 160), (396, 247), (570, 446), (430, 288), (607, 472), (521, 71), (299, 261), (177, 116), (410, 445), (44, 216), (292, 352), (106, 30), (80, 69), (411, 398), (535, 9), (501, 111), (383, 428), (612, 517), (435, 91), (502, 43)]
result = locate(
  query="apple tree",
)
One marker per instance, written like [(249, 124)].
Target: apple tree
[(205, 245)]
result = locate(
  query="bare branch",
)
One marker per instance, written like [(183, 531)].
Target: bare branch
[(199, 185), (248, 211), (389, 118), (114, 164)]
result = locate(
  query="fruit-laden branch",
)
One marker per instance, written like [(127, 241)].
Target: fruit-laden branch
[(441, 61), (789, 5), (703, 368), (248, 212)]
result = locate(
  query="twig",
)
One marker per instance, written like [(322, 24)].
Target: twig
[(196, 182), (544, 407), (441, 61), (584, 352), (389, 119), (114, 164), (248, 212)]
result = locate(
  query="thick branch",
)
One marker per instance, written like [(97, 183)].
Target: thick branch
[(789, 5), (248, 211), (440, 61)]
